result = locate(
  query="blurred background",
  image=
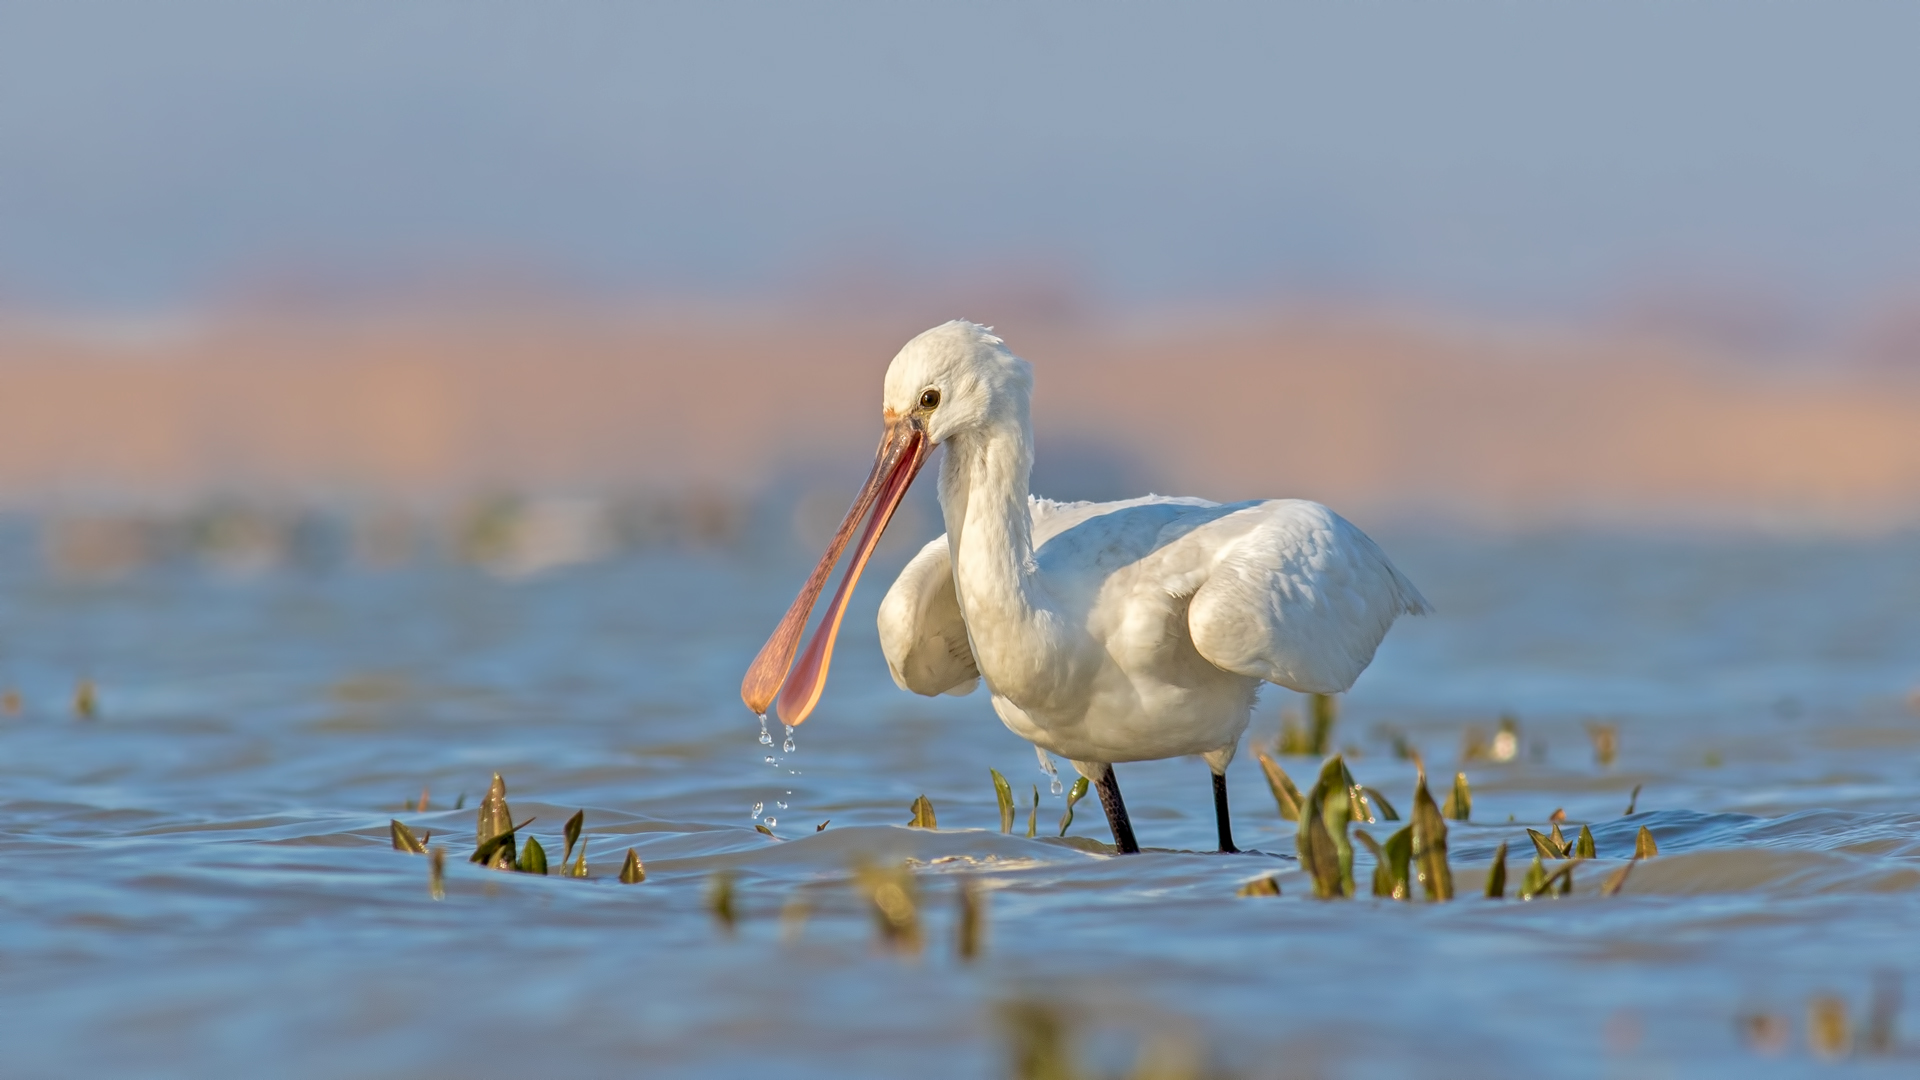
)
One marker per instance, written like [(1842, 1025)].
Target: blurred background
[(534, 284)]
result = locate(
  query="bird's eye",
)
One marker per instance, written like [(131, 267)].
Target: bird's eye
[(929, 398)]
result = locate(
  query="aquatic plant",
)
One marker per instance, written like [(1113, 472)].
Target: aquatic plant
[(1398, 744), (1643, 848), (1037, 1040), (969, 931), (720, 899), (1284, 793), (494, 831), (437, 874), (631, 872), (1533, 879), (1033, 815), (1552, 845), (86, 700), (1764, 1033), (896, 911), (1430, 844), (1003, 795), (1371, 799), (1633, 801), (1391, 863), (404, 840), (1828, 1032), (496, 835), (1541, 882), (1883, 1012), (1606, 742), (1325, 710), (1040, 1038), (1312, 737), (1269, 885), (1074, 795), (1459, 801), (499, 852), (1497, 874), (533, 858), (923, 817), (793, 919), (571, 834), (1616, 880), (1325, 852)]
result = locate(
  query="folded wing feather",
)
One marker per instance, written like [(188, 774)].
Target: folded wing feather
[(1297, 596), (921, 630)]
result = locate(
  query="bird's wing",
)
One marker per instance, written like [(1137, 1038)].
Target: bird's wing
[(1296, 595), (921, 630)]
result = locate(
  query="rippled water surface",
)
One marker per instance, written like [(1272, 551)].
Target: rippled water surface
[(199, 881)]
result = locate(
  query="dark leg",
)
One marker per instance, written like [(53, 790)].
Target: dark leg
[(1221, 820), (1117, 814)]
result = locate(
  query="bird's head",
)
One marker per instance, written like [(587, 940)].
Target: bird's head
[(952, 380)]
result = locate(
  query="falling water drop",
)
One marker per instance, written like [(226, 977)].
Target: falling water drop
[(1046, 766), (788, 745), (771, 822), (757, 807), (766, 737), (781, 803)]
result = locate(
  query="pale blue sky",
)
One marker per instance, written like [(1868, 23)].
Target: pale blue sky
[(1542, 157)]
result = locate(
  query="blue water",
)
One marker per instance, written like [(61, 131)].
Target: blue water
[(198, 881)]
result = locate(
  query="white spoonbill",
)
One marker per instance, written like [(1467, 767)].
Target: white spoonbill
[(1106, 632)]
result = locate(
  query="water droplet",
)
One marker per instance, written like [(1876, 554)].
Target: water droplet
[(766, 737), (780, 804), (1046, 766), (757, 807), (771, 822), (788, 745), (769, 759)]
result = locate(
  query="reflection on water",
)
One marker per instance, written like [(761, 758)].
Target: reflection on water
[(202, 881)]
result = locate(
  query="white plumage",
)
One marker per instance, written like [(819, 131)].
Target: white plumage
[(1282, 591), (1105, 632)]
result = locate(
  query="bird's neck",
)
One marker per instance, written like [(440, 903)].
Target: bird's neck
[(983, 496)]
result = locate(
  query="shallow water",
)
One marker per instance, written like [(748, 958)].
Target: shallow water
[(199, 881)]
